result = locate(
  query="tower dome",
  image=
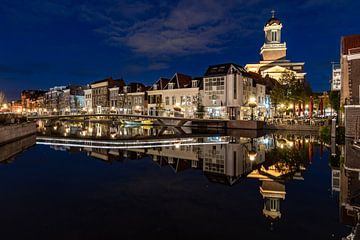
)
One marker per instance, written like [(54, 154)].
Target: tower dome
[(273, 49), (273, 20)]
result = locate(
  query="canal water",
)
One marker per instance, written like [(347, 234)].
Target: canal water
[(101, 181)]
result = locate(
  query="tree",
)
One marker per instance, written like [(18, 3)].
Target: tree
[(334, 98), (200, 109), (277, 95), (2, 98)]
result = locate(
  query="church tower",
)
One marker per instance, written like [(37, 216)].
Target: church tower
[(273, 49)]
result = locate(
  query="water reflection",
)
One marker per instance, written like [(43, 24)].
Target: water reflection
[(349, 175), (12, 149), (273, 159), (96, 130)]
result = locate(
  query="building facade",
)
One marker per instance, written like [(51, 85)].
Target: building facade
[(72, 100), (228, 90), (336, 77), (273, 54), (88, 100), (101, 94), (350, 70), (32, 100), (52, 99), (155, 98)]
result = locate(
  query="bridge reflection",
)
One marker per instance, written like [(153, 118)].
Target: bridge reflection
[(272, 159)]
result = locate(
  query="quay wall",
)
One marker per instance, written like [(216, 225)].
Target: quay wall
[(352, 121), (9, 133), (309, 128), (13, 148)]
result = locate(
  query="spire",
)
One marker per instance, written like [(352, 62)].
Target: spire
[(273, 13)]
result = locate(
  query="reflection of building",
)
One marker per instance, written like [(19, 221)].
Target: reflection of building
[(350, 186), (273, 54), (272, 192)]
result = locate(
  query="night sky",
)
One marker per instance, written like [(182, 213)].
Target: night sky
[(47, 43)]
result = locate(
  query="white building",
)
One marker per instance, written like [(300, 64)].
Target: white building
[(336, 77), (228, 90), (175, 97), (88, 100), (273, 54)]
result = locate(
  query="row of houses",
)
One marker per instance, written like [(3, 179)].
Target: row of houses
[(224, 91)]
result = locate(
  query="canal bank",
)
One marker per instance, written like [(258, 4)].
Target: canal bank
[(16, 131)]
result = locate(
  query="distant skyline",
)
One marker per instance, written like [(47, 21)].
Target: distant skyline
[(48, 43)]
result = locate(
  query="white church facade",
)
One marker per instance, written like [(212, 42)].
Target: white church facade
[(273, 54)]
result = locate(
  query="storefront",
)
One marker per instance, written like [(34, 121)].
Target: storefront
[(217, 112)]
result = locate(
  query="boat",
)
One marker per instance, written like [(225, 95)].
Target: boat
[(147, 122), (132, 123)]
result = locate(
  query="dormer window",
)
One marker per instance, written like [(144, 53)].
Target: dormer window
[(194, 83), (155, 86), (171, 85)]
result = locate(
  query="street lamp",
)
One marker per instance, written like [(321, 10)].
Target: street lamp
[(252, 153), (252, 103)]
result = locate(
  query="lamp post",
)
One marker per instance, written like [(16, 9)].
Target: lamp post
[(252, 103), (252, 153)]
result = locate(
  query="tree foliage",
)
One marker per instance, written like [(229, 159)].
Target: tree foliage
[(2, 98), (290, 90), (334, 98)]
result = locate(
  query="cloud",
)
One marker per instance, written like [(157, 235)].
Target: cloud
[(158, 66), (187, 28)]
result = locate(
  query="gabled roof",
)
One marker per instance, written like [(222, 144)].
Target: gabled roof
[(349, 42), (272, 21), (269, 82), (161, 83), (136, 87), (111, 82), (222, 69), (180, 81), (199, 82)]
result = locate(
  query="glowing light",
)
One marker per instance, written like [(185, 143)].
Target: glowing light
[(252, 155)]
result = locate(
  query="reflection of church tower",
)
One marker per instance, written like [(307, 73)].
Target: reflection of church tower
[(273, 49), (273, 192)]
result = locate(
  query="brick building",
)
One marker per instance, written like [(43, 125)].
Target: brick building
[(350, 69), (101, 93)]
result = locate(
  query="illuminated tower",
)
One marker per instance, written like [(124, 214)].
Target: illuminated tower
[(273, 49)]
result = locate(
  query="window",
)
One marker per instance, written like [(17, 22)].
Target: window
[(167, 101), (194, 83), (235, 86), (214, 86), (171, 85), (273, 36), (173, 100)]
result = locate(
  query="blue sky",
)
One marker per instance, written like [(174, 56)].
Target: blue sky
[(47, 43)]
